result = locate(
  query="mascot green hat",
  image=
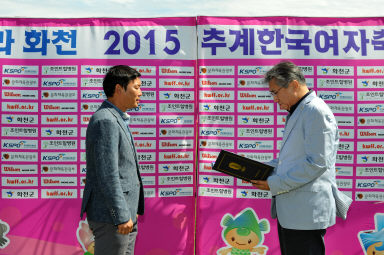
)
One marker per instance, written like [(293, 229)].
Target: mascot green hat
[(245, 223)]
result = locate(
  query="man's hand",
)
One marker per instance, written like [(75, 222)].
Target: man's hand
[(263, 185), (125, 228), (4, 241)]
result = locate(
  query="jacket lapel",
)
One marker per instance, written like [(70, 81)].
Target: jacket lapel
[(120, 122), (292, 119), (128, 134)]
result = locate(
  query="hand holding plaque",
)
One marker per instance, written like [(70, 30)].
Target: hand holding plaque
[(241, 167)]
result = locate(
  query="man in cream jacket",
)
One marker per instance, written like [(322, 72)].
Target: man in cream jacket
[(305, 199)]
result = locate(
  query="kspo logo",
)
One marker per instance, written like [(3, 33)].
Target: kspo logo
[(255, 70), (211, 132), (330, 96), (95, 95), (53, 83), (249, 145), (366, 185), (176, 120), (14, 70), (369, 184), (13, 145), (169, 193), (57, 157), (377, 108)]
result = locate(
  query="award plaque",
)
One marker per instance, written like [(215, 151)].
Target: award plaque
[(241, 167)]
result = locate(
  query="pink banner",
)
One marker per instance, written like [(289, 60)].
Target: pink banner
[(52, 73), (196, 101), (341, 60)]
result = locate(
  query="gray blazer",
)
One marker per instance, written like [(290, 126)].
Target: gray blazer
[(303, 185), (113, 191)]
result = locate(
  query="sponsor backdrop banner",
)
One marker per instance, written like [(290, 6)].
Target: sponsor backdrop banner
[(196, 101), (51, 83), (342, 61)]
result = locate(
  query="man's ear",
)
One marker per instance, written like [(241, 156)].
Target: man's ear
[(295, 84), (118, 88)]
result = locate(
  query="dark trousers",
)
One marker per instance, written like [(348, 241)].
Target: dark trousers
[(301, 242), (108, 241)]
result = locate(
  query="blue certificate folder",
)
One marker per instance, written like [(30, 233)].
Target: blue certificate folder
[(241, 167)]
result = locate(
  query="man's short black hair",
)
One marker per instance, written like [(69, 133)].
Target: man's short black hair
[(120, 74)]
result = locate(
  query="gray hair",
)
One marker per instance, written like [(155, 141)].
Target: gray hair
[(283, 73)]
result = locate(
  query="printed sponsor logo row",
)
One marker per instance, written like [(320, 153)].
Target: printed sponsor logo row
[(204, 119), (55, 107), (307, 70), (341, 171), (94, 70), (49, 157), (60, 119), (63, 169), (148, 168), (242, 193), (70, 83), (23, 181), (9, 193)]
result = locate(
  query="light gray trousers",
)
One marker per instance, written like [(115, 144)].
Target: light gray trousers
[(108, 241)]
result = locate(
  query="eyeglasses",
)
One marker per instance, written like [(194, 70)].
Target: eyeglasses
[(273, 93)]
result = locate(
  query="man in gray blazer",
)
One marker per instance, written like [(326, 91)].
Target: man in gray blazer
[(113, 194), (305, 198)]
